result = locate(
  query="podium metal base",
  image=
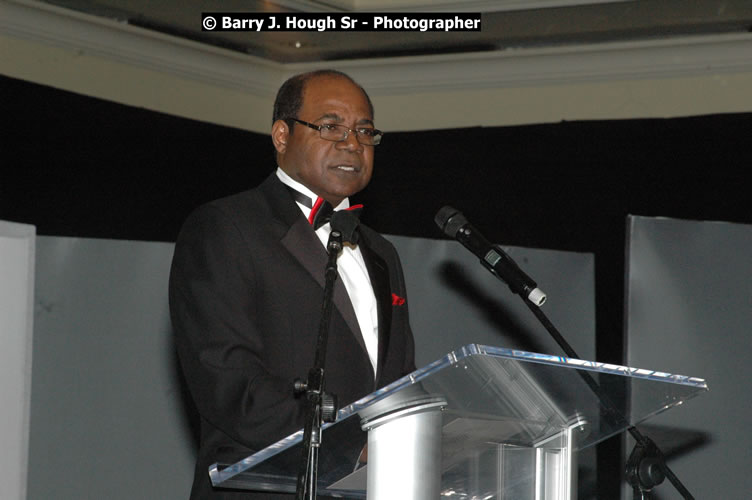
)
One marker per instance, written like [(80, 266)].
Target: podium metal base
[(404, 452)]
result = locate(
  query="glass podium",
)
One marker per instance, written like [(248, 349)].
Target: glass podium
[(481, 422)]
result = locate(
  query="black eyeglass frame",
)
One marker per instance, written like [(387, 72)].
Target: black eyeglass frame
[(376, 134)]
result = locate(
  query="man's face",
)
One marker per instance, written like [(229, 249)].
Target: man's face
[(332, 170)]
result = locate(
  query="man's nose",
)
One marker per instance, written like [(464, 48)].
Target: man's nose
[(351, 142)]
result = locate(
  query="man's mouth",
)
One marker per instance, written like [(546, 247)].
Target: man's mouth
[(347, 168)]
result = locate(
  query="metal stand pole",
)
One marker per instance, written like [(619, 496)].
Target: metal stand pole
[(321, 406)]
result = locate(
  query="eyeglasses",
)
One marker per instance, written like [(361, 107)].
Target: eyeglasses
[(338, 133)]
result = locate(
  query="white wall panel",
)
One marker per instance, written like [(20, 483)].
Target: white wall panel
[(16, 319)]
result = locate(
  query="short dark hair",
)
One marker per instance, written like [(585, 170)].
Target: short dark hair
[(289, 98)]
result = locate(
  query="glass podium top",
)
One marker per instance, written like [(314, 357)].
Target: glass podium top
[(488, 396)]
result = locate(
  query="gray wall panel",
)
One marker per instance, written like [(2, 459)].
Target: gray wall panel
[(106, 413), (689, 311), (455, 301), (108, 419)]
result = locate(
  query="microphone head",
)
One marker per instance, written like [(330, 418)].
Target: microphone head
[(450, 220), (346, 222)]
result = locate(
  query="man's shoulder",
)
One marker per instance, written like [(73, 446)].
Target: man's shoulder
[(251, 202), (249, 210), (232, 202), (377, 242)]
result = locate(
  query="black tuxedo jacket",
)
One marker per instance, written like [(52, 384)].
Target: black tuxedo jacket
[(246, 289)]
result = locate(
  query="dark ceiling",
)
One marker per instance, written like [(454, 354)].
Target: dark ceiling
[(504, 25)]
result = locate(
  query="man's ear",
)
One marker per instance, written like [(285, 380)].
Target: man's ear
[(280, 134)]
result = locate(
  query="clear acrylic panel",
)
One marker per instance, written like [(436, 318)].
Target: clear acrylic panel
[(505, 414)]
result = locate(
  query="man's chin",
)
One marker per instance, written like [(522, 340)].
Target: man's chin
[(336, 197), (344, 190)]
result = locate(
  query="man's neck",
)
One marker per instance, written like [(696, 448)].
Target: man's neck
[(297, 186)]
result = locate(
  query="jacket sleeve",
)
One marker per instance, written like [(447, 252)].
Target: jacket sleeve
[(220, 347)]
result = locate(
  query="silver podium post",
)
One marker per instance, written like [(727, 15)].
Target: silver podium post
[(404, 450)]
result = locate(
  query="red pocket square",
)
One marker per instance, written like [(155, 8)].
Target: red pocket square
[(397, 300)]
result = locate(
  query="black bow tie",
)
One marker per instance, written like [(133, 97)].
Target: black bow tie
[(321, 210)]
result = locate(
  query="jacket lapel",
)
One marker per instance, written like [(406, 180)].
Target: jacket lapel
[(303, 244)]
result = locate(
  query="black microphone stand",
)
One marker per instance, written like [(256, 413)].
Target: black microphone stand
[(321, 406), (646, 467)]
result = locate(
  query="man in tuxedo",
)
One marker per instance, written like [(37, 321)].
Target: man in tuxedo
[(246, 285)]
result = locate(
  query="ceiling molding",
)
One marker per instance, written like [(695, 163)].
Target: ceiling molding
[(121, 42), (673, 57), (431, 5), (668, 58)]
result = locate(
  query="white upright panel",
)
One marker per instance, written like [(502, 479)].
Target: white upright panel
[(16, 315), (689, 310)]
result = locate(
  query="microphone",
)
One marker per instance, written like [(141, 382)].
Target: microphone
[(346, 222), (454, 224)]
